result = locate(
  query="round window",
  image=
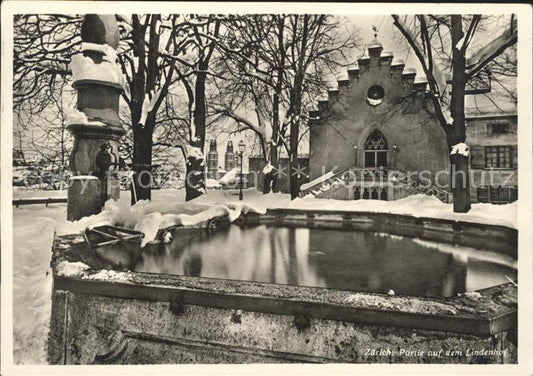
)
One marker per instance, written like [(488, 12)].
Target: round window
[(374, 95)]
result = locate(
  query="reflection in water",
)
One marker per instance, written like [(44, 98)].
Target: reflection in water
[(121, 256), (359, 261)]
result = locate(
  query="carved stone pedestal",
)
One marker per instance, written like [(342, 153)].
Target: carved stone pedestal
[(95, 124), (85, 197), (90, 188)]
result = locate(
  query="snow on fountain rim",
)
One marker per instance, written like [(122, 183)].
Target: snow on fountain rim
[(145, 216), (419, 205), (172, 202), (71, 269)]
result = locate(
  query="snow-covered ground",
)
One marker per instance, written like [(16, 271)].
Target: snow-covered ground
[(33, 230), (34, 226)]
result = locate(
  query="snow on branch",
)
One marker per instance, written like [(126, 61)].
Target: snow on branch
[(496, 47), (461, 149), (149, 102), (264, 131), (460, 44), (194, 153), (182, 60)]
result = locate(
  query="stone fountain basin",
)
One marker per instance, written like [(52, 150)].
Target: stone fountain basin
[(106, 316)]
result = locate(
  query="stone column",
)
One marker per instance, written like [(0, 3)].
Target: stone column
[(95, 122)]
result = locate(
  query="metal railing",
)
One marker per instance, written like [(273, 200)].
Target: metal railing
[(378, 177), (39, 201)]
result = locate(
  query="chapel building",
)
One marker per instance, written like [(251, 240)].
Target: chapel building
[(376, 136), (373, 132)]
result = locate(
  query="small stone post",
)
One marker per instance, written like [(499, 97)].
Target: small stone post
[(95, 122)]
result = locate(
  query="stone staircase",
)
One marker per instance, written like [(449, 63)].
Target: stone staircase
[(414, 185), (329, 185)]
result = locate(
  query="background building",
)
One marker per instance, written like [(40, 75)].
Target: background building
[(492, 139), (229, 176), (230, 157), (212, 160)]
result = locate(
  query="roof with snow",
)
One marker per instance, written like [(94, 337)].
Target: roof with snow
[(476, 116), (490, 104), (496, 103)]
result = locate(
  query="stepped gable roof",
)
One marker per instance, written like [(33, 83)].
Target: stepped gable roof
[(352, 72), (375, 43)]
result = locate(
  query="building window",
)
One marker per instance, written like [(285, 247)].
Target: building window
[(497, 129), (497, 194), (372, 193), (375, 95), (498, 156)]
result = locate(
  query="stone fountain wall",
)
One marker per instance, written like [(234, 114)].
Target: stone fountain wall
[(93, 329), (102, 316)]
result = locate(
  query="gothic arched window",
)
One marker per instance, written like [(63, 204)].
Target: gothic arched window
[(376, 150)]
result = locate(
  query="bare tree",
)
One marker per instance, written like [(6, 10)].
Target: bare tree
[(148, 78), (277, 63), (437, 38), (46, 132), (163, 154), (156, 53), (203, 37), (43, 46)]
